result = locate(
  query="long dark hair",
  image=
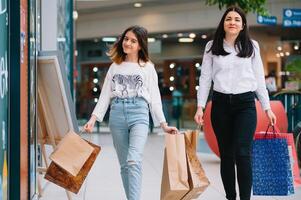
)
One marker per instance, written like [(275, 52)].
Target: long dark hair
[(116, 52), (243, 42)]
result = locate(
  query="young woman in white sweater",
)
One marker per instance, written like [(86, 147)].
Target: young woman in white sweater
[(131, 89)]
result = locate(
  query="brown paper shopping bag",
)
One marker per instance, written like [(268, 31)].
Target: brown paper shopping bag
[(71, 153), (174, 184), (197, 179), (63, 178)]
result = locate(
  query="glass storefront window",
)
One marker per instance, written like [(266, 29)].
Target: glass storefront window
[(34, 24)]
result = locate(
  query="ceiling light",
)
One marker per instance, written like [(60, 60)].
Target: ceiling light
[(171, 78), (95, 69), (171, 88), (296, 47), (197, 87), (151, 39), (185, 39), (164, 36), (96, 40), (137, 5), (281, 54), (95, 80), (109, 39), (192, 35), (204, 36), (75, 15), (279, 48), (197, 65), (180, 34), (287, 53), (95, 100), (172, 65)]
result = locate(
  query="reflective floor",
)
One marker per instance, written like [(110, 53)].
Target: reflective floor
[(104, 182)]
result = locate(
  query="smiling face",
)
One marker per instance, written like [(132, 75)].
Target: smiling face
[(130, 44), (233, 24)]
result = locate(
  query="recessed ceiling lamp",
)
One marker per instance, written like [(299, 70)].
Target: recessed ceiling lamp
[(137, 5), (192, 35), (185, 40), (279, 48), (296, 47), (151, 39), (109, 39), (164, 36), (180, 34), (75, 15), (204, 36), (172, 65)]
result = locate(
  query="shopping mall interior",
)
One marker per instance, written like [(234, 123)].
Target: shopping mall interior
[(40, 104)]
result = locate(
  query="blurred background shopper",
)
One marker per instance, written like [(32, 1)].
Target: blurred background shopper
[(131, 89), (232, 61)]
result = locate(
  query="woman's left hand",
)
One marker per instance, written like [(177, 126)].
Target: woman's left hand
[(271, 116), (169, 129)]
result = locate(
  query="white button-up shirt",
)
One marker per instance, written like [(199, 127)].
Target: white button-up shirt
[(232, 74)]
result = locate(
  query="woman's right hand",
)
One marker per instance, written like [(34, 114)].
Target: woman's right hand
[(198, 117), (88, 127)]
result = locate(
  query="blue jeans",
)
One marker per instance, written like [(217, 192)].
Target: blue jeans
[(129, 123)]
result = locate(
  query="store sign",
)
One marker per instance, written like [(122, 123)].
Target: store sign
[(292, 17), (268, 20)]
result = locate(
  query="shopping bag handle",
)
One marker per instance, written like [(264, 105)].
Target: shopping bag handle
[(275, 130), (200, 127), (81, 133)]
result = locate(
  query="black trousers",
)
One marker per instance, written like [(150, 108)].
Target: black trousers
[(233, 119)]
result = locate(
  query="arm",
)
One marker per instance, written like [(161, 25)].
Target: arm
[(204, 84), (156, 104), (261, 91), (102, 104)]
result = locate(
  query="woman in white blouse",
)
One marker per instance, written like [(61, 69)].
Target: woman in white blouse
[(232, 62), (131, 89)]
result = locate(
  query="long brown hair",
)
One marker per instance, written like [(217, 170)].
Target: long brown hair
[(116, 52)]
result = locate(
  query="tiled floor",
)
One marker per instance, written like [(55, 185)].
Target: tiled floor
[(104, 182)]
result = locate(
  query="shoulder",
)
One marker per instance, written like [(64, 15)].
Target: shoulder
[(208, 45), (255, 44), (112, 67), (149, 65)]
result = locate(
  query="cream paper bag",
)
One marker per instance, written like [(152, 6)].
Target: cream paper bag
[(174, 184), (71, 153)]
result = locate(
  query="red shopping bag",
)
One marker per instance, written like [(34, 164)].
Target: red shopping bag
[(291, 146)]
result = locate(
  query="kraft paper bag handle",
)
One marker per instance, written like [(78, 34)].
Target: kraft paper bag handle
[(71, 153)]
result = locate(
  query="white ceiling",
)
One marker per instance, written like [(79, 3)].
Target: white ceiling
[(86, 6)]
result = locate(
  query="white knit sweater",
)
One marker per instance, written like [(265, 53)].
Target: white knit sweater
[(131, 80)]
